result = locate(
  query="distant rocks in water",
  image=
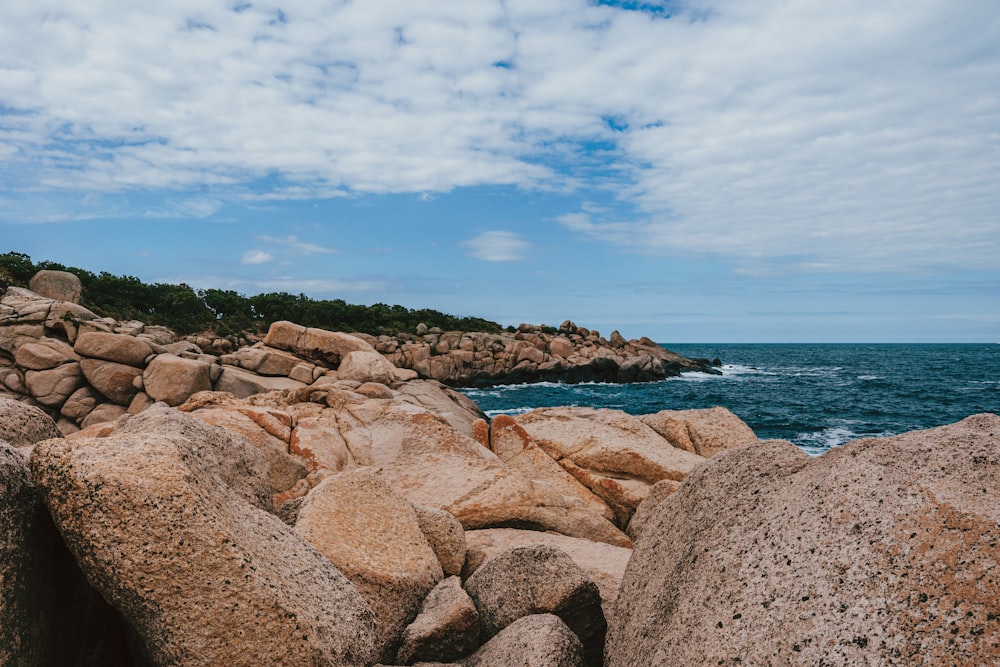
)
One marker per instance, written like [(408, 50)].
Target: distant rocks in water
[(301, 500), (534, 353)]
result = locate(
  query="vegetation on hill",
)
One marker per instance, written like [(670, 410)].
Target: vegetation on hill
[(187, 310)]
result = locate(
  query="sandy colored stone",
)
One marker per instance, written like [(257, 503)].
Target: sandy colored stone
[(603, 563), (51, 388), (264, 360), (422, 457), (372, 536), (105, 412), (119, 348), (539, 579), (540, 640), (445, 535), (882, 551), (447, 627), (188, 561), (252, 423), (244, 384), (516, 448), (22, 425), (173, 379), (647, 508), (457, 409), (45, 354), (80, 403), (705, 432), (317, 442), (57, 285), (612, 453), (366, 366), (115, 381)]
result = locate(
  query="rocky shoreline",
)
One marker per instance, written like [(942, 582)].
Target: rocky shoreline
[(306, 501)]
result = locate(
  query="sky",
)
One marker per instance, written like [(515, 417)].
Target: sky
[(702, 171)]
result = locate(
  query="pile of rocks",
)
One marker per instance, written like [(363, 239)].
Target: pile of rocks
[(532, 354)]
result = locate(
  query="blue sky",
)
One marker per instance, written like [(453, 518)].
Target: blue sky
[(779, 170)]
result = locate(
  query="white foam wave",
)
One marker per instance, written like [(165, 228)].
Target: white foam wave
[(511, 411), (819, 442)]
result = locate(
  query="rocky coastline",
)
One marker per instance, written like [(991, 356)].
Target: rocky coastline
[(325, 499)]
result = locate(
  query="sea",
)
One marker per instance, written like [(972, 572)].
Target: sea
[(818, 396)]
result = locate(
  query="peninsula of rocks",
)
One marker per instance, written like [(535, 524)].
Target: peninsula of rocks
[(320, 498)]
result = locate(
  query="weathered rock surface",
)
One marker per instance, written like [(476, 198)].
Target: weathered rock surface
[(170, 544), (372, 536), (23, 425), (539, 579), (366, 366), (603, 563), (445, 535), (120, 348), (614, 454), (58, 285), (447, 627), (540, 640), (51, 388), (704, 432), (882, 551), (115, 381), (47, 353), (173, 379)]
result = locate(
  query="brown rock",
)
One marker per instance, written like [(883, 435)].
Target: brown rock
[(252, 422), (516, 448), (603, 563), (80, 403), (173, 379), (647, 508), (45, 354), (372, 536), (317, 442), (105, 412), (58, 285), (22, 425), (51, 388), (113, 380), (614, 454), (560, 347), (882, 551), (244, 384), (704, 432), (540, 640), (447, 627), (445, 535), (366, 366), (173, 547), (119, 348), (539, 579), (457, 409)]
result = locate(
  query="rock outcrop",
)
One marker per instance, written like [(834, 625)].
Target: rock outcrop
[(882, 551)]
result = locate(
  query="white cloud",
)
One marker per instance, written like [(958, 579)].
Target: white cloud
[(844, 133), (497, 247), (256, 257), (295, 246)]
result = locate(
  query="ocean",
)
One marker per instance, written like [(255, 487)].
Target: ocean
[(816, 395)]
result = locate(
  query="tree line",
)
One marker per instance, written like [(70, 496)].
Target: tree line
[(187, 310)]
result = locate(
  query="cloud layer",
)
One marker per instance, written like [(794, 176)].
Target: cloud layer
[(823, 135)]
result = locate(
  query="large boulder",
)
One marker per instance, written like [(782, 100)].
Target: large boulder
[(447, 627), (372, 536), (119, 348), (57, 285), (539, 579), (704, 432), (445, 535), (51, 388), (22, 425), (366, 366), (329, 347), (203, 575), (173, 379), (115, 381), (45, 354), (48, 613), (243, 384), (422, 457), (882, 551), (612, 453), (540, 640), (603, 563)]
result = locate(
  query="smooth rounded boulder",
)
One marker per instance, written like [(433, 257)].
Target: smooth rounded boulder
[(881, 551), (22, 425)]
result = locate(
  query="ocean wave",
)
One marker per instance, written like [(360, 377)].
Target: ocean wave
[(819, 442), (513, 411)]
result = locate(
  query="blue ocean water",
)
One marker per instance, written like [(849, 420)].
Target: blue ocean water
[(816, 395)]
